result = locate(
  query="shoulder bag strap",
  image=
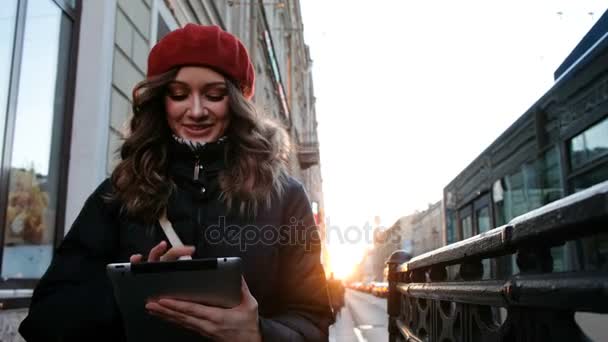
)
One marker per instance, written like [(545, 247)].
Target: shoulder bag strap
[(170, 233)]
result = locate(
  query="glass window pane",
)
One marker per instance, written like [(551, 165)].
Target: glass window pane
[(32, 198), (594, 176), (532, 187), (590, 144), (515, 199), (550, 176), (577, 151), (467, 227), (163, 28), (596, 138), (8, 16), (483, 219), (498, 197), (450, 229), (483, 225)]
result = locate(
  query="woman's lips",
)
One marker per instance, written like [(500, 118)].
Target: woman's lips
[(197, 129)]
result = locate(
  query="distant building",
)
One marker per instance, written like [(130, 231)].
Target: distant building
[(427, 229), (416, 234)]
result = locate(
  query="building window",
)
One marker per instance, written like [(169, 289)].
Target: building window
[(450, 216), (533, 185), (70, 4), (163, 21), (7, 34), (35, 115), (549, 170), (498, 197), (483, 220), (589, 145), (589, 156), (515, 198), (467, 227), (587, 179)]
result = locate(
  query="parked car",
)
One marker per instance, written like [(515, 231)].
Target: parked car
[(380, 289), (355, 285), (367, 286)]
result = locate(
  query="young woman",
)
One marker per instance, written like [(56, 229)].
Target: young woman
[(198, 153)]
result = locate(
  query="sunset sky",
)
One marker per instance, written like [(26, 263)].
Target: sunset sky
[(410, 92)]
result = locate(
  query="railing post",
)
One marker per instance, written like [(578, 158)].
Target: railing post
[(393, 304)]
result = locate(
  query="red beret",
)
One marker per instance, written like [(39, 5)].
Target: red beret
[(208, 46)]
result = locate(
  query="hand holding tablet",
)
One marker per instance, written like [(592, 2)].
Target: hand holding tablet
[(160, 253), (170, 299), (239, 323)]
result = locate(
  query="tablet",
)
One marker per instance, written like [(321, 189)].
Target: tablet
[(213, 281)]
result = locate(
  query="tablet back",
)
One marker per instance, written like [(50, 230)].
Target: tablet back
[(214, 281)]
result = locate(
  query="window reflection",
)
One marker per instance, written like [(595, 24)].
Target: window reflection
[(483, 220), (467, 227), (163, 28), (535, 184), (32, 198), (515, 204), (589, 145), (450, 226), (595, 176), (8, 16), (483, 225), (550, 176)]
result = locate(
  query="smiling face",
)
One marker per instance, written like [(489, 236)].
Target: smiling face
[(197, 104)]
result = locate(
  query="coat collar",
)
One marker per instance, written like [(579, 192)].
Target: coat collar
[(196, 161)]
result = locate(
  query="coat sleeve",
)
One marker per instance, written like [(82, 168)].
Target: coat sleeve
[(305, 311), (74, 299)]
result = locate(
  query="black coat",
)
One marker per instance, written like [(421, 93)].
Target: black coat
[(74, 300)]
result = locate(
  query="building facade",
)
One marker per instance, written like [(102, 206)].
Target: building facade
[(558, 147), (427, 229), (415, 234), (67, 69)]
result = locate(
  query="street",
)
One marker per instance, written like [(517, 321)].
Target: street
[(363, 319)]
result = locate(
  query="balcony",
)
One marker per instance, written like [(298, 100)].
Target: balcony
[(308, 155)]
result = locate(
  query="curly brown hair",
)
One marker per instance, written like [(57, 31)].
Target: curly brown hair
[(257, 155)]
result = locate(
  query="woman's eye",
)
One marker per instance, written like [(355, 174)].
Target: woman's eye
[(215, 97), (178, 97)]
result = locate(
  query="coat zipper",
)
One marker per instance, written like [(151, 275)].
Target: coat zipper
[(197, 168)]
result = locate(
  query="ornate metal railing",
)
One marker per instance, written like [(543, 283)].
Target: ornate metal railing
[(537, 304)]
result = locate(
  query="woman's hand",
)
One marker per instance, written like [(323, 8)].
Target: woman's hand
[(236, 324), (160, 253)]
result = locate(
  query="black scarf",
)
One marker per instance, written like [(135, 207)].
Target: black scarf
[(195, 166)]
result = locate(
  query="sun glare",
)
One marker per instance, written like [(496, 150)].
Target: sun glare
[(343, 259)]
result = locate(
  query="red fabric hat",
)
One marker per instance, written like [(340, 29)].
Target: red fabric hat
[(208, 46)]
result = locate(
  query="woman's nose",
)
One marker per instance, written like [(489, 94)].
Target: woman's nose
[(197, 107)]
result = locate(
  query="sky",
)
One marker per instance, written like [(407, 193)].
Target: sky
[(410, 92)]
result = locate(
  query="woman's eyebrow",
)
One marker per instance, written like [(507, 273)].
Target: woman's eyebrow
[(206, 85)]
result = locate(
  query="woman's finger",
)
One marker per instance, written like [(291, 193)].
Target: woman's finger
[(192, 309), (177, 252), (135, 258), (246, 297), (187, 320), (180, 323), (157, 252)]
